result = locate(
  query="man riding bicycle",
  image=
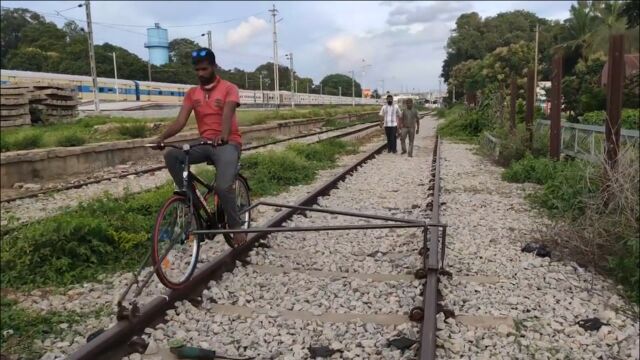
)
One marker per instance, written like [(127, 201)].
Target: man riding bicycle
[(214, 103)]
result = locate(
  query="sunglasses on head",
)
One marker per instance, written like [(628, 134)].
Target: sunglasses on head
[(197, 53)]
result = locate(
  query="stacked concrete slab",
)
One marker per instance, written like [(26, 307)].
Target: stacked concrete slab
[(14, 105), (24, 104), (52, 103)]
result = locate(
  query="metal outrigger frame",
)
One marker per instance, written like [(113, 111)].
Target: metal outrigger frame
[(391, 223)]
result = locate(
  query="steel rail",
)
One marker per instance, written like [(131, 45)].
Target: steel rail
[(429, 296)]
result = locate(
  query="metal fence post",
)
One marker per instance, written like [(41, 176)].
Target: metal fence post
[(556, 108), (528, 117), (615, 84), (513, 98)]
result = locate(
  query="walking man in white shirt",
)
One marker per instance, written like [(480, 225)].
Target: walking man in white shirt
[(389, 116)]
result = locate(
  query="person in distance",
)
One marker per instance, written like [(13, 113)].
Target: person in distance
[(409, 126), (389, 116)]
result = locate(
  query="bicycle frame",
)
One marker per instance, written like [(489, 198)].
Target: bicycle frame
[(211, 220)]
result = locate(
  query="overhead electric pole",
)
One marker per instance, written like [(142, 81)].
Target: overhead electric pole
[(353, 88), (340, 91), (276, 79), (92, 57), (115, 73), (209, 39), (290, 57)]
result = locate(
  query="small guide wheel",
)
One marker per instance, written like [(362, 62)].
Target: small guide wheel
[(416, 314)]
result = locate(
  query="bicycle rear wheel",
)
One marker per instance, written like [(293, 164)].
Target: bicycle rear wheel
[(243, 201), (175, 249)]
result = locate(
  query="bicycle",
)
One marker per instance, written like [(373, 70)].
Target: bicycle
[(181, 214)]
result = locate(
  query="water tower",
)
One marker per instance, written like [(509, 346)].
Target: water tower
[(158, 45)]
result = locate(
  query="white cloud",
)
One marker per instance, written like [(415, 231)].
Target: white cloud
[(437, 11), (246, 30)]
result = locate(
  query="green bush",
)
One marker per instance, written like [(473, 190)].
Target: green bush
[(465, 124), (567, 191), (26, 141), (70, 139), (531, 170), (630, 118), (133, 131), (76, 245)]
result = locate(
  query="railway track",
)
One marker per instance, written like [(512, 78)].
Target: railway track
[(160, 167), (353, 292)]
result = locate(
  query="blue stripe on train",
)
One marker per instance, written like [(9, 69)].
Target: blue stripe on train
[(128, 91)]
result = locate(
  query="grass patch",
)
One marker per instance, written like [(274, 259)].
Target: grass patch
[(596, 212), (71, 139), (78, 245), (463, 124), (21, 328), (133, 131)]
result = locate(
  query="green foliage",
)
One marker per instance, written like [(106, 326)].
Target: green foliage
[(566, 193), (26, 141), (464, 124), (76, 245), (530, 170), (630, 118), (133, 131), (272, 172), (70, 139), (21, 327), (332, 83)]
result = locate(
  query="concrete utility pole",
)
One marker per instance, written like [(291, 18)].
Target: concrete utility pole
[(307, 87), (92, 57), (353, 88), (115, 73), (340, 91), (320, 88), (246, 80), (290, 57), (209, 39), (276, 79)]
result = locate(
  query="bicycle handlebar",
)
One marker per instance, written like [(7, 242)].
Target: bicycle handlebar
[(183, 147)]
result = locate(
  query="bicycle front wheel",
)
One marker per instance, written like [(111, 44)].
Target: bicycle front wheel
[(175, 248)]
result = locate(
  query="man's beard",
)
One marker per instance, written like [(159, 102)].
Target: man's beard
[(206, 81)]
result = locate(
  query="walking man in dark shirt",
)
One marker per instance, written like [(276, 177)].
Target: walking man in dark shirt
[(409, 126)]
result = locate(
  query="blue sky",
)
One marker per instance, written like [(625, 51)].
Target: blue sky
[(402, 41)]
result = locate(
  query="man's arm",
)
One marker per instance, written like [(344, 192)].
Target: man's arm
[(417, 122), (227, 114), (176, 126), (381, 116)]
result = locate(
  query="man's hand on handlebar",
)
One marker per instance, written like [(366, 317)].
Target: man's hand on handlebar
[(220, 140)]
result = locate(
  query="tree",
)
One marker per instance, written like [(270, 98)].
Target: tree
[(13, 21), (474, 38), (631, 11), (29, 59), (331, 84), (180, 50)]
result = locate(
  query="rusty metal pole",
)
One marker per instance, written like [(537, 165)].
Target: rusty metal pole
[(556, 108), (514, 97), (615, 85), (528, 117)]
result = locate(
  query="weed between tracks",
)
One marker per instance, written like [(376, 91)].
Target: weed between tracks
[(24, 330)]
